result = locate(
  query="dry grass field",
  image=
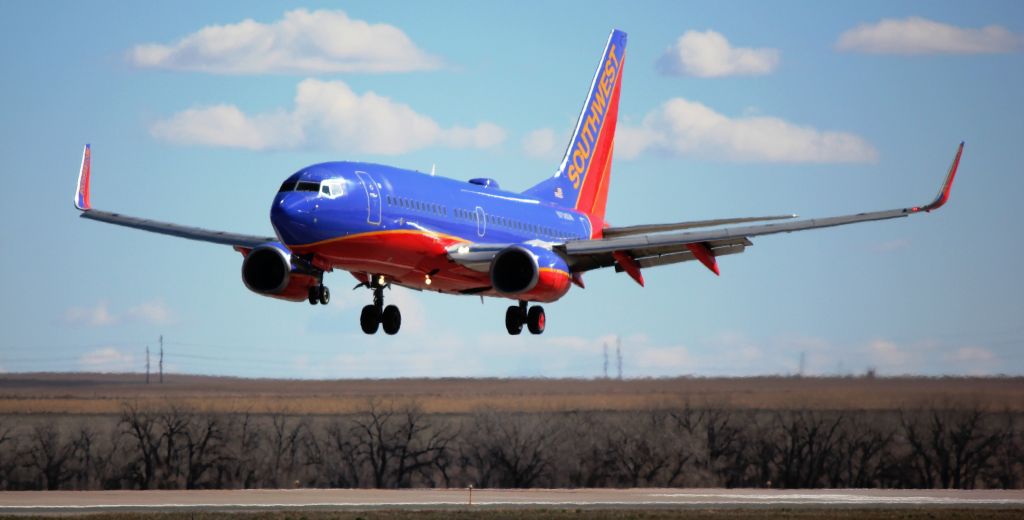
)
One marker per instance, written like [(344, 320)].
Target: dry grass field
[(572, 514), (83, 393)]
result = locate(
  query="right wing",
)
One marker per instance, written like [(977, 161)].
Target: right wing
[(631, 252), (239, 241)]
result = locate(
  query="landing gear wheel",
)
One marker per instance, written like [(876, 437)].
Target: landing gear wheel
[(325, 295), (514, 319), (369, 319), (536, 319), (314, 295), (391, 319)]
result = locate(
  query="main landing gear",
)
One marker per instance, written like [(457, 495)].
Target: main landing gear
[(319, 294), (377, 315), (517, 315)]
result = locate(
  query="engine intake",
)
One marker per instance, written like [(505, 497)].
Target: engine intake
[(266, 269), (514, 270)]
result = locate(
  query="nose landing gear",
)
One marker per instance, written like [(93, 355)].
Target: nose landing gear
[(375, 315), (517, 315)]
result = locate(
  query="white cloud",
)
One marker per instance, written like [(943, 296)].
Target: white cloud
[(153, 313), (99, 315), (327, 114), (916, 35), (888, 354), (108, 359), (306, 42), (683, 127), (708, 54), (540, 144)]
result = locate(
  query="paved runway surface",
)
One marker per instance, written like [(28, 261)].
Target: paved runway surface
[(335, 499)]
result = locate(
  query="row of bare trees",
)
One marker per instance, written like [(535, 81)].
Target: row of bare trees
[(390, 446)]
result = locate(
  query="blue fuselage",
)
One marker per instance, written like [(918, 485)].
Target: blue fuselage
[(334, 200)]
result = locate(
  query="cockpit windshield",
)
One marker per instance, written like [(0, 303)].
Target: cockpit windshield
[(332, 188)]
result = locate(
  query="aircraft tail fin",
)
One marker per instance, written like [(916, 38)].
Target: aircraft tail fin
[(582, 179)]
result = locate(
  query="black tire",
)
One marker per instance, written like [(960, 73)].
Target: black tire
[(325, 295), (369, 319), (536, 319), (514, 320), (391, 319), (314, 296)]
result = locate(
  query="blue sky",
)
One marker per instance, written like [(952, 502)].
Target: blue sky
[(727, 109)]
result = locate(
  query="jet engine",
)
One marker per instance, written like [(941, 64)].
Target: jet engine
[(269, 270), (532, 273)]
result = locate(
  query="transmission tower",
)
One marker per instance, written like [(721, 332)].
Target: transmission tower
[(147, 364), (618, 353), (606, 360), (161, 359)]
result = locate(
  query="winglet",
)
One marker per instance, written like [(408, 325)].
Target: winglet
[(947, 186), (82, 193)]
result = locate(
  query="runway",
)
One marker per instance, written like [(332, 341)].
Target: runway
[(40, 502)]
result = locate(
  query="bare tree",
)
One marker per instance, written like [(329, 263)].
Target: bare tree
[(512, 450), (949, 447), (50, 455), (283, 440), (202, 445)]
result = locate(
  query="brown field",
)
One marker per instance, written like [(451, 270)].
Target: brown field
[(82, 393), (573, 514)]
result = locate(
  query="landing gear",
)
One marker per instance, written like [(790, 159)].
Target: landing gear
[(369, 319), (391, 319), (319, 294), (376, 314), (535, 319), (517, 315), (514, 318)]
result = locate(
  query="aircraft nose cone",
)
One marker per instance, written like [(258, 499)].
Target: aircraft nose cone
[(292, 217)]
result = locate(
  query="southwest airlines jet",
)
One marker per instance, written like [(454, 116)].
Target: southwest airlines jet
[(389, 226)]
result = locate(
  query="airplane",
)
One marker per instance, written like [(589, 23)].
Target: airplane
[(389, 226)]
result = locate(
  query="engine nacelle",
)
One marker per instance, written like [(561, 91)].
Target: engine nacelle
[(530, 273), (268, 270)]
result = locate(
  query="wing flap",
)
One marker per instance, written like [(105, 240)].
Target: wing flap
[(238, 240), (656, 248), (613, 232), (178, 230)]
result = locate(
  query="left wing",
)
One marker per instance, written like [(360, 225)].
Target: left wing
[(631, 252), (239, 241)]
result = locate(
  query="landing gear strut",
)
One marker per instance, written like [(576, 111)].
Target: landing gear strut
[(518, 315), (319, 294), (376, 314)]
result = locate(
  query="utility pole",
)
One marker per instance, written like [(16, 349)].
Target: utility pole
[(147, 364), (803, 359), (606, 360), (161, 359), (618, 353)]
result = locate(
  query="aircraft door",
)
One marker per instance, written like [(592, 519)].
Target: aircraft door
[(373, 202), (481, 221)]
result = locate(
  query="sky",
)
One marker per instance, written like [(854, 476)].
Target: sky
[(196, 111)]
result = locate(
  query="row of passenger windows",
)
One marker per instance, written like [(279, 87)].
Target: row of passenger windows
[(471, 216), (426, 207)]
